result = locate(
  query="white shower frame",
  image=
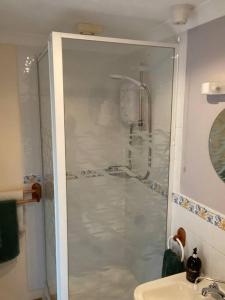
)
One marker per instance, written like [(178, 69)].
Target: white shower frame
[(58, 140)]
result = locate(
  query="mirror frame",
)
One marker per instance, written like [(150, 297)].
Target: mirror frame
[(220, 117)]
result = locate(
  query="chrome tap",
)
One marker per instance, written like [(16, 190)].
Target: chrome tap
[(213, 289)]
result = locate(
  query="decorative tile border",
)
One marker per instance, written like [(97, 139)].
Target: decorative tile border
[(158, 188), (29, 179), (153, 185), (124, 173), (198, 209)]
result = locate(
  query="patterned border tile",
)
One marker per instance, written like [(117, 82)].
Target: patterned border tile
[(28, 179), (120, 170), (198, 209), (158, 188)]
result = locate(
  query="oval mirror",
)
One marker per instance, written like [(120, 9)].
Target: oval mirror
[(217, 145)]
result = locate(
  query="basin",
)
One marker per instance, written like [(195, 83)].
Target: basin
[(174, 287)]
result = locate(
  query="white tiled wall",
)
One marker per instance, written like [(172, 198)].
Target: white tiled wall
[(209, 239)]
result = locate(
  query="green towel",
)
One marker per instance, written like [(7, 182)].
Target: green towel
[(171, 264), (9, 234)]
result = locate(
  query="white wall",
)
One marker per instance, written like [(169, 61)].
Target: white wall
[(10, 129), (205, 224), (11, 164), (205, 62), (24, 277)]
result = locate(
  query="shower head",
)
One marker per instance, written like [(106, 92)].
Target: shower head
[(127, 78)]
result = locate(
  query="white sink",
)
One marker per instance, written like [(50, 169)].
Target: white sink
[(174, 287)]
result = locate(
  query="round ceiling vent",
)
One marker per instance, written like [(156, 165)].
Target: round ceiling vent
[(181, 13)]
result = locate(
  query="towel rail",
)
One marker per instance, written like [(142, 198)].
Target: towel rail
[(180, 244), (35, 192), (180, 238)]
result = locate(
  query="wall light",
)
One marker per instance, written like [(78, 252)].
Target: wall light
[(213, 88)]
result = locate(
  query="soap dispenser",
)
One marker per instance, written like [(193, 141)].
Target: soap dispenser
[(193, 267)]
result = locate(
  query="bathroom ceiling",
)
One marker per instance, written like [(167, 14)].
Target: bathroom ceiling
[(122, 18)]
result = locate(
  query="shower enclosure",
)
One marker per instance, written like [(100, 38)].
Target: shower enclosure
[(106, 107)]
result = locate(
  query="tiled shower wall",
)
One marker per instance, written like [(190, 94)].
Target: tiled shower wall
[(29, 107)]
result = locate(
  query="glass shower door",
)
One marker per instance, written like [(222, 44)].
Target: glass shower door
[(117, 101), (47, 173)]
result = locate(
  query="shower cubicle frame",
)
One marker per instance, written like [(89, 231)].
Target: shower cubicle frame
[(58, 141)]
